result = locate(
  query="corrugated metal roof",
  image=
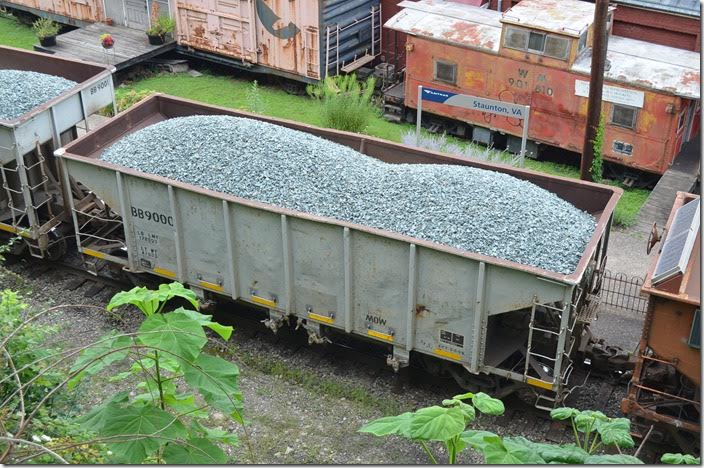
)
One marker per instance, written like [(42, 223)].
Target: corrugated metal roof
[(680, 7), (647, 65), (568, 17), (450, 22)]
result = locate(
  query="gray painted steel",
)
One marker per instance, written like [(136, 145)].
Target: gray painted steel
[(409, 293)]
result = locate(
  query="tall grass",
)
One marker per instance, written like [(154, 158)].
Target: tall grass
[(469, 151), (346, 104)]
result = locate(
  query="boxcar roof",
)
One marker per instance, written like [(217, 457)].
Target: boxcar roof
[(449, 22), (569, 17), (646, 65)]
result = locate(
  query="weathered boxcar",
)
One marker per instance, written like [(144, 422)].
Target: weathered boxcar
[(538, 53), (131, 13), (491, 323), (31, 197), (304, 40), (666, 385), (78, 13)]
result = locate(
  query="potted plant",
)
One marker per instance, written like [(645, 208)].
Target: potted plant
[(46, 30), (107, 41), (160, 28)]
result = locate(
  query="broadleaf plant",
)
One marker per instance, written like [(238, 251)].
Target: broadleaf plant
[(445, 424), (158, 421)]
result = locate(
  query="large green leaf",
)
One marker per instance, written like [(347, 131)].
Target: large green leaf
[(464, 396), (216, 433), (149, 301), (616, 432), (199, 451), (138, 432), (95, 419), (104, 352), (563, 413), (216, 380), (144, 299), (487, 404), (620, 459), (175, 332), (586, 421), (224, 331), (679, 459), (176, 289), (437, 423), (400, 425), (509, 452), (568, 453), (475, 439)]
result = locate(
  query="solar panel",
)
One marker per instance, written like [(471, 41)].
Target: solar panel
[(679, 242)]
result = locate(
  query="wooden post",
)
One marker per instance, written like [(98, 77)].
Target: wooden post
[(596, 83)]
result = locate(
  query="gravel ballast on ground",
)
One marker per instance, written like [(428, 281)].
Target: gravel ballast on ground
[(22, 91), (467, 208)]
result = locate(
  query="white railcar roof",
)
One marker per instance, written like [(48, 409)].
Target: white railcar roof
[(450, 22), (569, 17), (646, 65)]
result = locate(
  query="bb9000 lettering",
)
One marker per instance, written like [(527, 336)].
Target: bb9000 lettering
[(153, 216)]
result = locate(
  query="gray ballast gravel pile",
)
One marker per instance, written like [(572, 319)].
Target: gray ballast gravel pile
[(470, 209), (22, 91)]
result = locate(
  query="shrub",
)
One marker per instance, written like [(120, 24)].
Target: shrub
[(597, 168), (346, 104), (44, 27)]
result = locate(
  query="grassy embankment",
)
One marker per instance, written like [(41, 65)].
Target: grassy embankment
[(230, 92), (15, 34)]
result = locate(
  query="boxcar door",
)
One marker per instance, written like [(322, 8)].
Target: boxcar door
[(137, 12), (280, 26), (221, 26)]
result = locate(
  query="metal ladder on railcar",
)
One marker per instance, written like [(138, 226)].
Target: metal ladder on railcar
[(332, 44), (562, 356)]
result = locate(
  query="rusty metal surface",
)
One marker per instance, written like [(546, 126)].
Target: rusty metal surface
[(599, 200), (568, 17), (83, 10), (451, 23), (651, 66)]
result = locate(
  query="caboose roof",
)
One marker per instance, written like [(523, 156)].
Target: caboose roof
[(568, 17), (449, 22), (646, 65)]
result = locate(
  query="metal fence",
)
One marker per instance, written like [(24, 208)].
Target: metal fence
[(623, 291)]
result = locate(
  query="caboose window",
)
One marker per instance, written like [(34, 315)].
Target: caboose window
[(446, 71), (516, 38), (624, 116), (536, 42), (557, 47), (582, 40)]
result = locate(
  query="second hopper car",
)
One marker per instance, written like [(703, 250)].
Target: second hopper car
[(491, 323), (31, 197)]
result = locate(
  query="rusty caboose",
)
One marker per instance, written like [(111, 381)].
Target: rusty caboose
[(538, 53), (665, 388)]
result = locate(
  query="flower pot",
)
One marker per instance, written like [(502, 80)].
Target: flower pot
[(109, 21), (155, 40), (48, 41)]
